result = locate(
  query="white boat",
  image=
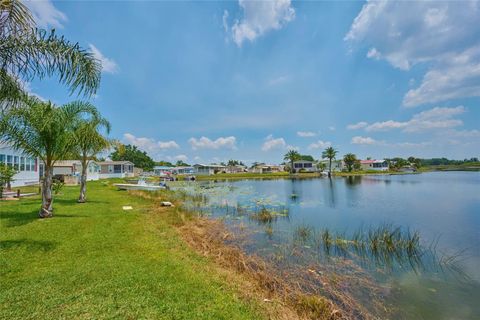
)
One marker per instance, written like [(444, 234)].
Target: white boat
[(141, 185)]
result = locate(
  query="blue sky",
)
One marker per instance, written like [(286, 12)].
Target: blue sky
[(212, 81)]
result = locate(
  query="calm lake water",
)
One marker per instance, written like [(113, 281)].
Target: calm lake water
[(443, 207)]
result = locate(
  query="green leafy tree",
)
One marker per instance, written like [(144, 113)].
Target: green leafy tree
[(131, 153), (164, 163), (330, 153), (181, 163), (41, 129), (6, 177), (292, 156), (27, 52), (306, 157), (350, 159), (232, 163), (89, 142)]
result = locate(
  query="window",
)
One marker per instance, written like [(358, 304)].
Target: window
[(117, 168), (9, 160), (16, 162), (22, 163), (297, 165), (27, 164), (3, 159), (307, 165)]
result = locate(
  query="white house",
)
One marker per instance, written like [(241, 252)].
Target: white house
[(236, 169), (377, 165), (209, 169), (165, 171), (266, 168), (28, 171), (337, 165), (304, 166), (115, 169), (74, 168)]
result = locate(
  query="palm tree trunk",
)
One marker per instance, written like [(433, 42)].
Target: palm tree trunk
[(292, 171), (46, 210), (330, 167), (83, 185)]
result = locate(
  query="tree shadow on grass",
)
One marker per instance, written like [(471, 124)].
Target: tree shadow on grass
[(14, 219), (30, 245)]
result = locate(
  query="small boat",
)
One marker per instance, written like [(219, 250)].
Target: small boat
[(141, 185)]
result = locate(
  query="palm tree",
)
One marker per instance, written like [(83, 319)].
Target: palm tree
[(41, 129), (89, 141), (27, 52), (330, 153), (292, 155), (350, 159)]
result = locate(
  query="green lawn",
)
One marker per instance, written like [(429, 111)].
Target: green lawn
[(95, 261)]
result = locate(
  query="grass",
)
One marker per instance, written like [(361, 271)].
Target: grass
[(95, 260)]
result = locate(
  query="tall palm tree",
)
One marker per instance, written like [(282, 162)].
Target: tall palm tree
[(41, 129), (330, 153), (27, 52), (89, 142), (292, 155)]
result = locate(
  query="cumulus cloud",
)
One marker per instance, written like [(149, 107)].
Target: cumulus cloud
[(181, 157), (436, 118), (259, 17), (272, 144), (206, 143), (359, 125), (440, 33), (108, 65), (306, 134), (320, 145), (148, 144), (46, 15), (364, 140)]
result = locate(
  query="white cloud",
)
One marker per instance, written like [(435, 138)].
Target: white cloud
[(225, 20), (277, 80), (359, 125), (273, 144), (331, 128), (108, 65), (436, 118), (320, 145), (259, 18), (457, 76), (364, 140), (306, 134), (45, 14), (441, 34), (206, 143), (148, 144)]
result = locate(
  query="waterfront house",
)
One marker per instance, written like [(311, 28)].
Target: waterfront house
[(71, 170), (377, 165), (116, 169), (209, 169), (266, 168), (304, 166), (28, 169), (165, 171), (337, 165), (236, 169)]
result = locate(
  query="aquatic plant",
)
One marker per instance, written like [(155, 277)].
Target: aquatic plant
[(303, 233), (264, 215)]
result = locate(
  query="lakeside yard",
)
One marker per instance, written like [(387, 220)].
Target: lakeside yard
[(95, 260)]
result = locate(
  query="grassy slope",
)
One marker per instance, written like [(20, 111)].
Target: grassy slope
[(94, 260)]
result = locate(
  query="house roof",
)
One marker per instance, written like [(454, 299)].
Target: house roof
[(209, 165), (67, 163), (113, 162), (371, 161)]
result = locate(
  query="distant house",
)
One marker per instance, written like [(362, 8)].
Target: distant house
[(28, 168), (378, 165), (236, 169), (209, 169), (337, 165), (73, 168), (115, 169), (267, 168), (304, 166), (164, 170)]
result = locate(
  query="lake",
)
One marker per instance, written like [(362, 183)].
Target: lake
[(437, 278)]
